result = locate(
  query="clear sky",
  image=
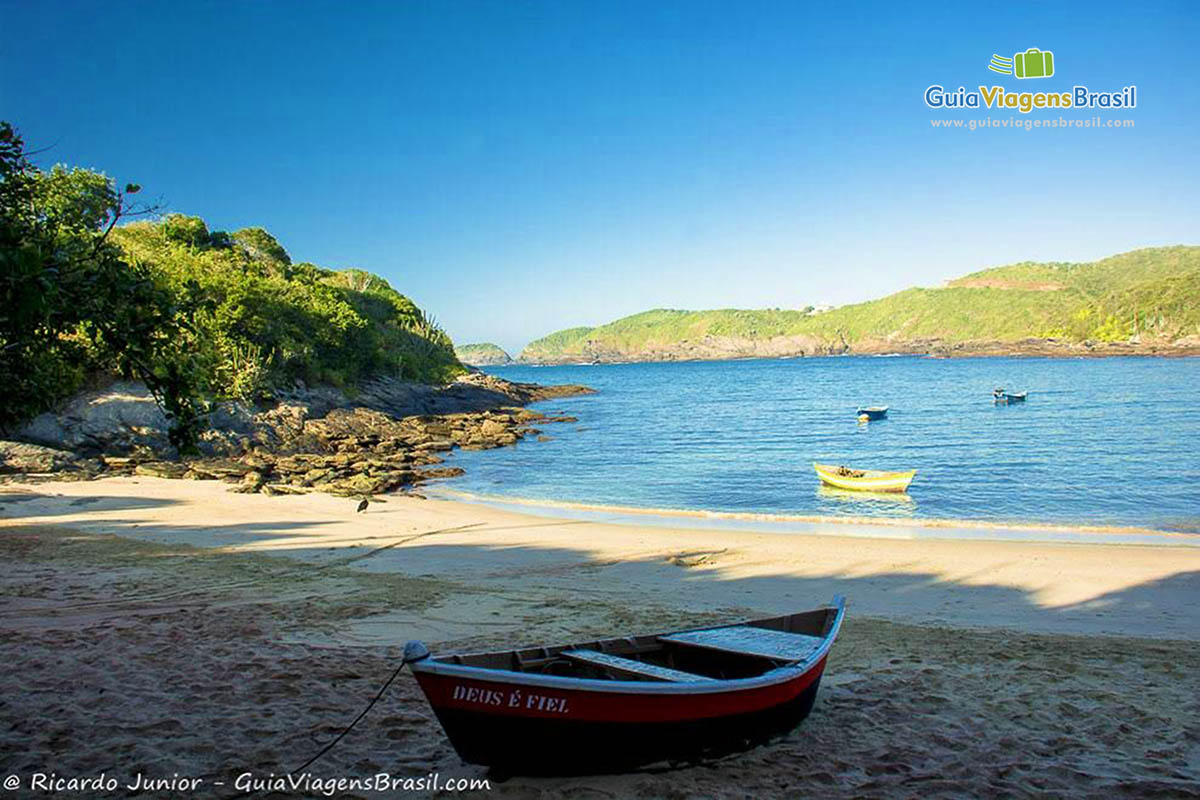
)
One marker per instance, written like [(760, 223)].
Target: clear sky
[(519, 167)]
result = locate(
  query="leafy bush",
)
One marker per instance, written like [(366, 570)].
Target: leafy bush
[(193, 312), (264, 321), (71, 305)]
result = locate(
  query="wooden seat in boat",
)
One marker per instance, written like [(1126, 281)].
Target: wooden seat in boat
[(628, 666), (748, 640)]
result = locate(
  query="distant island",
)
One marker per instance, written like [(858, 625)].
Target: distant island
[(483, 354), (1142, 302)]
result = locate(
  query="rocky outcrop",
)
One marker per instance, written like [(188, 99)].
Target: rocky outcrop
[(115, 419), (123, 417), (722, 348), (1026, 347), (707, 348), (20, 457), (388, 435), (348, 452)]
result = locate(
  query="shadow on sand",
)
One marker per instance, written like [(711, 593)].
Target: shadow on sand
[(988, 695)]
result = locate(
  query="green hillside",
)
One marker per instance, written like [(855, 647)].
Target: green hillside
[(196, 314), (481, 354), (261, 321), (1146, 295), (570, 340)]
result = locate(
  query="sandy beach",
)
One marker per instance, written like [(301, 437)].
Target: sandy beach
[(170, 627)]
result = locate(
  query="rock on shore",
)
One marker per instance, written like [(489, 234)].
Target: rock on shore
[(727, 348), (387, 436)]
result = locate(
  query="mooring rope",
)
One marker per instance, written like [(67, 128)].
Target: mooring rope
[(403, 663)]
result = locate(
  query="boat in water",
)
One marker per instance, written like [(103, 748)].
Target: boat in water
[(872, 412), (1001, 395), (864, 480), (616, 704)]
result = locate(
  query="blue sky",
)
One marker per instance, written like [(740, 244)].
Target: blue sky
[(518, 167)]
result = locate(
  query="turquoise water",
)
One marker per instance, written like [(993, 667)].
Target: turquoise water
[(1100, 441)]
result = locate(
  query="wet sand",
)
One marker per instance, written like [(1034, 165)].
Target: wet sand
[(169, 627)]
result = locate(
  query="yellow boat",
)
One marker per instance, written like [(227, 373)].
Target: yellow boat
[(864, 480)]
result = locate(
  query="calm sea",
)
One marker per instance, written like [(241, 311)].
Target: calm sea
[(1111, 441)]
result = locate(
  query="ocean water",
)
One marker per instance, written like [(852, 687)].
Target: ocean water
[(1110, 442)]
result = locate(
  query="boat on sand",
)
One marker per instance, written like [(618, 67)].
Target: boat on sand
[(864, 480), (615, 704)]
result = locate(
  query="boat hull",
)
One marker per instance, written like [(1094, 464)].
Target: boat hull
[(569, 731)]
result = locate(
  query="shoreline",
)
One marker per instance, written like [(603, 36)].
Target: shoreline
[(1188, 351), (1091, 586), (771, 522)]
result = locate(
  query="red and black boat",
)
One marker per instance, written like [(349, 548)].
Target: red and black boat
[(616, 704)]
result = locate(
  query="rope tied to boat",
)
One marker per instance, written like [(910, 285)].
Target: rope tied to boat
[(413, 651)]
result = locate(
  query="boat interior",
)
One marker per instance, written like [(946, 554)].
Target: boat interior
[(724, 652), (842, 471)]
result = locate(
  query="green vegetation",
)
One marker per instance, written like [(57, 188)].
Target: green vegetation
[(570, 340), (1152, 293), (481, 354), (262, 321), (70, 305), (197, 314)]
